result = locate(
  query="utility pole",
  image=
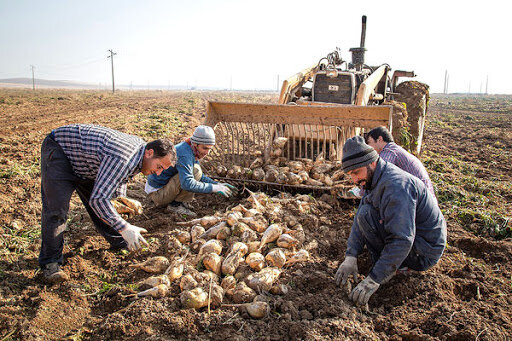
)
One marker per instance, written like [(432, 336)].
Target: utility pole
[(112, 54), (278, 83), (445, 91), (486, 85), (33, 80)]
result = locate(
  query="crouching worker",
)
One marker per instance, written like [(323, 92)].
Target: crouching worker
[(96, 162), (398, 220), (176, 185)]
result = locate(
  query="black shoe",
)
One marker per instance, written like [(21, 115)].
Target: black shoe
[(54, 274)]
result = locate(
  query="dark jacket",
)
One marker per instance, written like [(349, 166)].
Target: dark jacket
[(410, 216)]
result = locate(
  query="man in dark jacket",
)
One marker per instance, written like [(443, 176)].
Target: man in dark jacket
[(96, 162), (398, 220)]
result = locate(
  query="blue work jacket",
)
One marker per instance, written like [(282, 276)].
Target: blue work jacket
[(409, 216), (185, 168)]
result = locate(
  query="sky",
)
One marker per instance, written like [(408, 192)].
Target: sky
[(251, 45)]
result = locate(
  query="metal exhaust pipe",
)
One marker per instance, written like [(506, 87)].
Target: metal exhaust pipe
[(358, 52)]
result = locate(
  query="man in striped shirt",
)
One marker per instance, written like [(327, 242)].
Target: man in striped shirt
[(382, 141), (97, 162)]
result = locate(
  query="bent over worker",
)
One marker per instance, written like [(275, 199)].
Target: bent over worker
[(398, 220), (175, 186), (382, 141), (96, 162)]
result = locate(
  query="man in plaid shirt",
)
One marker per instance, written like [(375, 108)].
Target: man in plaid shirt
[(382, 141), (96, 162)]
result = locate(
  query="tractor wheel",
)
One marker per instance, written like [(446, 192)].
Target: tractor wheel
[(416, 96)]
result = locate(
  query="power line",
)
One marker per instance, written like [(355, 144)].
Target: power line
[(57, 67)]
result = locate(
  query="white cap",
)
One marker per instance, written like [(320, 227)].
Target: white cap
[(203, 135)]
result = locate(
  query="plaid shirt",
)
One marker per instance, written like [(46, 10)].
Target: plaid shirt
[(401, 158), (106, 156)]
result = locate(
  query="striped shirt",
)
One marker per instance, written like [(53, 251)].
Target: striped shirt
[(106, 156), (401, 158)]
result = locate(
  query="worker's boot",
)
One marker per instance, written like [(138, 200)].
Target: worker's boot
[(179, 208), (54, 274)]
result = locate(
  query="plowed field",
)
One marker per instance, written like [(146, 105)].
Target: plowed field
[(466, 296)]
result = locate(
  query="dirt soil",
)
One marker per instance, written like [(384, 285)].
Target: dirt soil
[(466, 296)]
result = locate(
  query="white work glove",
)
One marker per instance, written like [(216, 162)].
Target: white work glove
[(361, 294), (347, 268), (356, 192), (224, 189), (133, 238)]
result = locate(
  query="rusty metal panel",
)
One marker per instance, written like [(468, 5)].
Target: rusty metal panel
[(245, 132), (339, 115)]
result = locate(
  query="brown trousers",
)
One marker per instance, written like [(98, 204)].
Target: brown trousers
[(172, 191)]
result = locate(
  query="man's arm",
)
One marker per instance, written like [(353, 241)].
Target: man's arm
[(121, 190), (388, 156), (355, 241), (185, 167), (208, 180), (398, 210), (112, 172)]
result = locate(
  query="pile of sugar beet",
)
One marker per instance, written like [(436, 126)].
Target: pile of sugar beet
[(271, 166), (234, 258)]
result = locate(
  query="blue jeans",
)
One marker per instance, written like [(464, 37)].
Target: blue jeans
[(374, 237), (58, 182)]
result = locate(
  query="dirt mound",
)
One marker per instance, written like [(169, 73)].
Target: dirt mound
[(416, 97), (400, 129), (412, 88)]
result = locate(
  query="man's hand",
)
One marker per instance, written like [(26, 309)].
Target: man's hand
[(224, 189), (356, 192), (127, 206), (347, 268), (361, 294), (233, 189), (133, 238)]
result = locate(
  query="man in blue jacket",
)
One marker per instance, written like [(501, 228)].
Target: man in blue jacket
[(176, 185), (398, 220)]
